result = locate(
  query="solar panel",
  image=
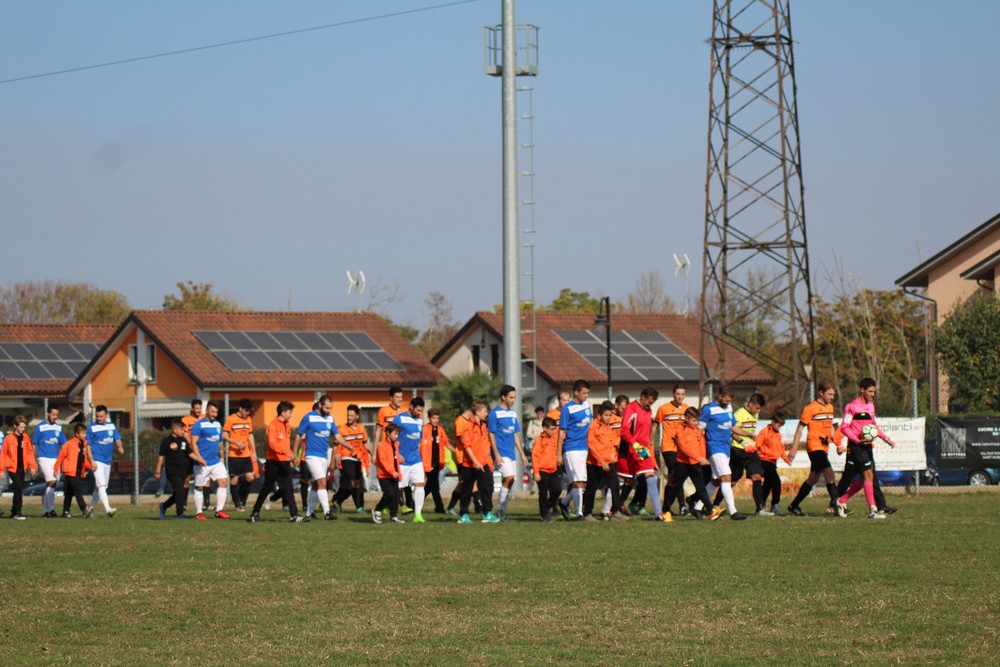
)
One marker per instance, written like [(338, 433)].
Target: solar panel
[(636, 355), (297, 351), (44, 361)]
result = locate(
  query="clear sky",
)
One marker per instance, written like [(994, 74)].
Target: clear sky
[(276, 165)]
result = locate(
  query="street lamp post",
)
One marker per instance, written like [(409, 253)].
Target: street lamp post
[(604, 319)]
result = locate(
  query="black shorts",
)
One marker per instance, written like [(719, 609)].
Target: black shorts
[(669, 461), (240, 466), (818, 461), (860, 456), (740, 460), (304, 474)]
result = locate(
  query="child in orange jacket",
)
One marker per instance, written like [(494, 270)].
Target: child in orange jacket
[(770, 448), (17, 457), (387, 469), (73, 462), (691, 458), (602, 466)]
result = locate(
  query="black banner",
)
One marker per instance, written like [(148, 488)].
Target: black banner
[(969, 442)]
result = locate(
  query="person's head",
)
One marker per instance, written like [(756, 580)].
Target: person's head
[(392, 432), (396, 397), (434, 416), (19, 424), (755, 403), (212, 410), (284, 410), (353, 414), (245, 408), (605, 410), (539, 412), (679, 394), (101, 414), (417, 407), (826, 391), (724, 396), (479, 410), (777, 420), (691, 417), (867, 389), (324, 405), (581, 391), (562, 399), (550, 425), (648, 396), (508, 396), (196, 407), (80, 430), (177, 428), (52, 415), (621, 402)]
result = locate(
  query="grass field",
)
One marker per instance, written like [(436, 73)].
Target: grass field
[(920, 587)]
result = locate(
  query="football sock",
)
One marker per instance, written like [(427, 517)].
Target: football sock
[(653, 489), (220, 498), (832, 490), (199, 502), (869, 492), (324, 500), (803, 492), (709, 491), (727, 494), (455, 496), (758, 494), (418, 499), (359, 497), (626, 489), (313, 499), (408, 494), (304, 494), (641, 492), (851, 490), (504, 492), (49, 499), (577, 494), (607, 502)]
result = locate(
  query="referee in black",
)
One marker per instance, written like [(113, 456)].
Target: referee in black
[(178, 457)]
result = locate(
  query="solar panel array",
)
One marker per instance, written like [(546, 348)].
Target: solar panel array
[(45, 361), (297, 351), (636, 355)]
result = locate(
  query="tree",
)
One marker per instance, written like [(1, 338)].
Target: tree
[(383, 294), (441, 326), (969, 344), (455, 394), (648, 297), (199, 296), (50, 302), (411, 334), (569, 301)]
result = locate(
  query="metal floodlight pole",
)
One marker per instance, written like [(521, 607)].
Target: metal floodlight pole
[(604, 319), (511, 270)]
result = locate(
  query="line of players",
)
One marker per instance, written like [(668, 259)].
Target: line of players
[(712, 448)]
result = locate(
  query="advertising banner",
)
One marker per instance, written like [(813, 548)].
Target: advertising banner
[(907, 433), (969, 442)]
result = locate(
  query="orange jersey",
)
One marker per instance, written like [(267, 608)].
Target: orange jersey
[(600, 447), (770, 446), (8, 453), (690, 443), (554, 414), (386, 414), (461, 424), (279, 441), (69, 457), (189, 420), (387, 460), (427, 443), (818, 418), (356, 437), (475, 439), (543, 453), (670, 417), (240, 430), (616, 429)]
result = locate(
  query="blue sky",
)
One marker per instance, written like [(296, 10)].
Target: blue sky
[(275, 166)]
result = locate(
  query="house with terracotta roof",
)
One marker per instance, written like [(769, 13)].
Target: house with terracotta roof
[(38, 363), (156, 362), (659, 350), (950, 276)]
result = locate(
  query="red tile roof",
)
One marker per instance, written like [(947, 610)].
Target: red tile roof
[(49, 333), (171, 331), (562, 365)]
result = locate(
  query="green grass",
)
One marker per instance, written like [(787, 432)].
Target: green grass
[(920, 587)]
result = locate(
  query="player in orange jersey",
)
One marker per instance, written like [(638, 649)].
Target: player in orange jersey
[(351, 459), (238, 433)]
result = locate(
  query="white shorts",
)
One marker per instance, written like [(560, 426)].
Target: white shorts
[(48, 468), (720, 465), (575, 464), (204, 474), (508, 467), (102, 473), (412, 475), (318, 467)]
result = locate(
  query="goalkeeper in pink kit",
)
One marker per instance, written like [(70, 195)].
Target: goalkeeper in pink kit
[(858, 414)]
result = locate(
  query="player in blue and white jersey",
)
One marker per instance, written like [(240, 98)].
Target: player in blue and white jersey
[(206, 441), (574, 428), (103, 438), (411, 467), (505, 436), (316, 429), (48, 438), (719, 425)]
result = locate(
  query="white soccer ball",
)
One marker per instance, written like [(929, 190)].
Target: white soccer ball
[(869, 433)]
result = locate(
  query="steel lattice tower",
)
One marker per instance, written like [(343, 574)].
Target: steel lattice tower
[(755, 252)]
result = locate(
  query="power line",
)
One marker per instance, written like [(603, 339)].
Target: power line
[(234, 42)]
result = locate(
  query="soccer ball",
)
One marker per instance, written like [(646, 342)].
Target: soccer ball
[(869, 433)]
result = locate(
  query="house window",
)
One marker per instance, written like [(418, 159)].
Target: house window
[(475, 358), (495, 358), (149, 362)]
